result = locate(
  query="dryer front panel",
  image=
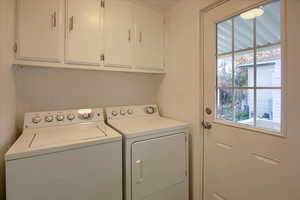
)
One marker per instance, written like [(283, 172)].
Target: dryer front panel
[(158, 165)]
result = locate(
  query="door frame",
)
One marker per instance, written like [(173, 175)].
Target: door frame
[(201, 82)]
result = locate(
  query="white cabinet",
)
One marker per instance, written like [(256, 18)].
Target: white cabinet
[(83, 32), (40, 30), (149, 38), (114, 35), (118, 33)]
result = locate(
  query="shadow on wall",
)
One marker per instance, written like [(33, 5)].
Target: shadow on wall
[(41, 89)]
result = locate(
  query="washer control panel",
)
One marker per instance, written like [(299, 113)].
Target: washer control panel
[(125, 112), (55, 118)]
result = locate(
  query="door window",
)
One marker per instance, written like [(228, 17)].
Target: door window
[(248, 66)]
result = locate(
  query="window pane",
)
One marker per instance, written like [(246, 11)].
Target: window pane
[(224, 104), (243, 33), (243, 106), (268, 109), (269, 67), (268, 25), (224, 36), (224, 71), (243, 69)]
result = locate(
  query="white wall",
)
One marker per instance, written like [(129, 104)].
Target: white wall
[(7, 84), (179, 95), (41, 89)]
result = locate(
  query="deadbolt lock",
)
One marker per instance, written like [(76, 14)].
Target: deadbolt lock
[(208, 111)]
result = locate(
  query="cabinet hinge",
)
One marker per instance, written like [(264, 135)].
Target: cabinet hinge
[(15, 47), (102, 57), (102, 4)]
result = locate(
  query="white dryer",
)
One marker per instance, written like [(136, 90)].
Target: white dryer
[(65, 155), (155, 153)]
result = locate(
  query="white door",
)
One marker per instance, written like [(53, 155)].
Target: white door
[(250, 151), (149, 38), (83, 42), (118, 33), (39, 30), (158, 165)]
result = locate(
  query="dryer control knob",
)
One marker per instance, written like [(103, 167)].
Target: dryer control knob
[(60, 117), (150, 110), (71, 116), (114, 113), (36, 119), (122, 112), (49, 118)]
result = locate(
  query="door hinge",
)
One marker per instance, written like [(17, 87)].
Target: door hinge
[(15, 47), (102, 4), (102, 57), (186, 173), (186, 139)]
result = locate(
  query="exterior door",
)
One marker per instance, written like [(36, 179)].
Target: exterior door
[(249, 145), (158, 165)]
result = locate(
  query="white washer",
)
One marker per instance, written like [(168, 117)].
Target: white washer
[(155, 153), (64, 155)]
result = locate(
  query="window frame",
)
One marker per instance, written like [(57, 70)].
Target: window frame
[(282, 132)]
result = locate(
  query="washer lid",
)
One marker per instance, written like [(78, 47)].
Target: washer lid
[(138, 127), (39, 141), (65, 134)]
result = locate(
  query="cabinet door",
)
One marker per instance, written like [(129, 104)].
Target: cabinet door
[(149, 38), (83, 43), (157, 165), (39, 30), (119, 33)]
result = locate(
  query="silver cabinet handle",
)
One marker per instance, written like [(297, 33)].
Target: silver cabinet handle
[(53, 20), (71, 23), (141, 37), (129, 35)]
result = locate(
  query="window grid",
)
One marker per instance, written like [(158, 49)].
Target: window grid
[(233, 52)]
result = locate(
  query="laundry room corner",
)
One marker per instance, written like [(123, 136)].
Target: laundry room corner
[(7, 85)]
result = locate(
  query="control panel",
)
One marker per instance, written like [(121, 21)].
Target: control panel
[(125, 112), (65, 117)]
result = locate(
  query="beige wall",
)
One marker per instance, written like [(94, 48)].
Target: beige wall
[(179, 95), (7, 84), (40, 89)]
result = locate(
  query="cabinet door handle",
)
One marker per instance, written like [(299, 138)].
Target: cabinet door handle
[(71, 24), (129, 35), (54, 20), (141, 37)]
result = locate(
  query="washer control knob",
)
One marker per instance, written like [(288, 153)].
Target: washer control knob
[(122, 112), (36, 119), (86, 115), (49, 118), (130, 111), (60, 117), (71, 116), (150, 110), (114, 113)]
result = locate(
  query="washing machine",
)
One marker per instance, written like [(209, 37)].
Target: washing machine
[(65, 155), (155, 153)]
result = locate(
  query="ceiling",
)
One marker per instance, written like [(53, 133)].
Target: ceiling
[(158, 4)]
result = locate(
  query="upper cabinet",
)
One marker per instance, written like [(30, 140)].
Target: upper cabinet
[(149, 47), (119, 33), (83, 32), (96, 34), (39, 30)]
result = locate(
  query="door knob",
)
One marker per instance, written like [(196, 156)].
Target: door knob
[(206, 125), (208, 111)]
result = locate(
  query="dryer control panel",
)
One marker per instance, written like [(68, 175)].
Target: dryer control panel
[(135, 111), (63, 117)]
